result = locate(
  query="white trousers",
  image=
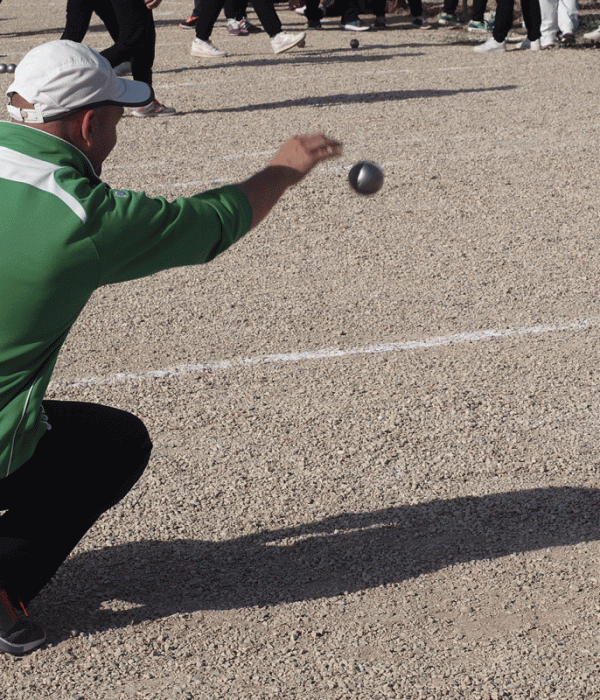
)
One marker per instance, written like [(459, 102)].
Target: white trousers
[(558, 14)]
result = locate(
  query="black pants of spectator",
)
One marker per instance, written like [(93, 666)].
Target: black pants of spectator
[(349, 10), (131, 26), (503, 22), (377, 7), (83, 466), (210, 10), (479, 8)]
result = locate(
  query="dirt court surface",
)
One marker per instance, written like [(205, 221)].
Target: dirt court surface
[(375, 419)]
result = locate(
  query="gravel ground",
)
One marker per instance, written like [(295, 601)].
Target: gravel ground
[(375, 419)]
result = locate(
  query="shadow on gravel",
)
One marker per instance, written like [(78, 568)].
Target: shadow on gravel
[(315, 57), (357, 98), (351, 552)]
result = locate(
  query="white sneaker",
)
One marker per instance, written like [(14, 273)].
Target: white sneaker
[(154, 109), (206, 49), (491, 45), (284, 42), (123, 68), (531, 45), (593, 36)]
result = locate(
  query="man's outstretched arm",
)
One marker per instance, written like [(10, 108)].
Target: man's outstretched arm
[(292, 162)]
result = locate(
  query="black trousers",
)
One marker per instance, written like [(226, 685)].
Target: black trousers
[(83, 466), (532, 17), (131, 26), (479, 8), (209, 11)]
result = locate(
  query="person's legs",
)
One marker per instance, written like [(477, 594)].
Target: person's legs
[(313, 14), (83, 466), (209, 12), (504, 19), (267, 16), (450, 7), (479, 8), (568, 16), (350, 12), (532, 18), (136, 39), (235, 9), (79, 14), (549, 23)]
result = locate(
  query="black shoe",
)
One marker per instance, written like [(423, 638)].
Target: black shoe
[(567, 39), (18, 634), (378, 23), (314, 24)]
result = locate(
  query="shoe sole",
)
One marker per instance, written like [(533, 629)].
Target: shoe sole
[(198, 54), (20, 649), (348, 28)]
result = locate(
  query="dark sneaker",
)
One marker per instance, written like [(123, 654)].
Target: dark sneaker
[(189, 23), (314, 24), (421, 23), (246, 27), (567, 39), (378, 23), (18, 634), (449, 20)]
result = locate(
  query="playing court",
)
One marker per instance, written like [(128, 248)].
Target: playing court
[(375, 419)]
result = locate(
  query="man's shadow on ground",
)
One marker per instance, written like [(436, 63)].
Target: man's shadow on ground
[(351, 552)]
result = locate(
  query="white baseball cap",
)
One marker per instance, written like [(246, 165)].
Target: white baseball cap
[(61, 77)]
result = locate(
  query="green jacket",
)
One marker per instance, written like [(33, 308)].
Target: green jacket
[(63, 234)]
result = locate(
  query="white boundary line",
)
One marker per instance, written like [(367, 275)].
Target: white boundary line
[(326, 354)]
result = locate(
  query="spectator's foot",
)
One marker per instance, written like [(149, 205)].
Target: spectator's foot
[(477, 27), (284, 42), (567, 39), (18, 634), (356, 26), (123, 68), (234, 28), (206, 49), (527, 44), (551, 44), (378, 23), (491, 45), (448, 20), (189, 23), (421, 23), (314, 24), (154, 109), (593, 36), (247, 26)]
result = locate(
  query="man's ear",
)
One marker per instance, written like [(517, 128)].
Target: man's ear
[(87, 122)]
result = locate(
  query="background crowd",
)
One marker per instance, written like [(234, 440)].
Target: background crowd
[(130, 24)]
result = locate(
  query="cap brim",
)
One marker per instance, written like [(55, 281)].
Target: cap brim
[(135, 93)]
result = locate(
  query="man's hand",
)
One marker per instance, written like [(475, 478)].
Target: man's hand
[(302, 153), (292, 162), (152, 4)]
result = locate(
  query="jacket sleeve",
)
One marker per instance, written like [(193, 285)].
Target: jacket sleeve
[(136, 235)]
